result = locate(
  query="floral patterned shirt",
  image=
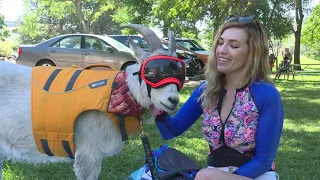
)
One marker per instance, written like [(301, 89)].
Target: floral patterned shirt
[(240, 126)]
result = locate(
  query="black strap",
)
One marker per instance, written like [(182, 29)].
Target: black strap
[(72, 80), (140, 81), (139, 75), (122, 127), (51, 78), (45, 147), (149, 90), (150, 159), (66, 146)]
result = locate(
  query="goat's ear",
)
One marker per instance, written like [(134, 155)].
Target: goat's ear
[(138, 52), (172, 44)]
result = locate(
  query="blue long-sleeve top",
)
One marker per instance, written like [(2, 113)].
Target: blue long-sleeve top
[(255, 123)]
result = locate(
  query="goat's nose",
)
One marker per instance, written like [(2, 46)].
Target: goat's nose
[(174, 101)]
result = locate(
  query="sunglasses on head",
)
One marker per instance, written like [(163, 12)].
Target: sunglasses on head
[(244, 20), (240, 19), (158, 71)]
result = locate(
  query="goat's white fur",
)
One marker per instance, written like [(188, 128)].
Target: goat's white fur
[(95, 135)]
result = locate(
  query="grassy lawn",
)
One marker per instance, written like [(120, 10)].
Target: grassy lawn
[(297, 158)]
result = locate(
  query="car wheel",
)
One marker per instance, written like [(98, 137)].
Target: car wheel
[(45, 63)]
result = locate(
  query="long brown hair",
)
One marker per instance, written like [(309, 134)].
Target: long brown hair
[(256, 68)]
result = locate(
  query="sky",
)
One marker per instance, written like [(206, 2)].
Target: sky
[(12, 9)]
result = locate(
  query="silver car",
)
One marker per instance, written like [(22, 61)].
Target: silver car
[(76, 49)]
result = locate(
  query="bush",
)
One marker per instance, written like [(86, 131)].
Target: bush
[(6, 49)]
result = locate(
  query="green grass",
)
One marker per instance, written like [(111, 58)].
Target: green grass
[(297, 158)]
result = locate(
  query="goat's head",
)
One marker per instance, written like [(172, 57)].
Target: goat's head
[(161, 74)]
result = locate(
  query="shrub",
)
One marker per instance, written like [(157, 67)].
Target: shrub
[(6, 49)]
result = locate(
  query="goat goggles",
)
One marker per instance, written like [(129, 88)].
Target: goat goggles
[(158, 71)]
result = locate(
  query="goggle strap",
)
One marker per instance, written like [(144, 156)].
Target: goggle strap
[(139, 74), (140, 81), (136, 73), (149, 90)]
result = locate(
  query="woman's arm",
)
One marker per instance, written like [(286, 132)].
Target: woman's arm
[(190, 111), (269, 130)]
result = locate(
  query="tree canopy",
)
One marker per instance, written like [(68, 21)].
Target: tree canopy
[(311, 32), (4, 33), (197, 19)]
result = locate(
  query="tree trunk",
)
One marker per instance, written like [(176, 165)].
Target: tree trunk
[(297, 33), (77, 3), (297, 36)]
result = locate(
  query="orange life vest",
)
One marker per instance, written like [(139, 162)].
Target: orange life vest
[(60, 95)]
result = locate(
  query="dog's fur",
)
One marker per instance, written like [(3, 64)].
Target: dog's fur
[(95, 136)]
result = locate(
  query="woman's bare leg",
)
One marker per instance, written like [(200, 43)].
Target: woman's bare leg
[(216, 174)]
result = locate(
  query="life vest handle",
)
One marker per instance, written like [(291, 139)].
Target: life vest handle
[(101, 65)]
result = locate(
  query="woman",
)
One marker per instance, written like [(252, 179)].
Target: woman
[(242, 110), (287, 54)]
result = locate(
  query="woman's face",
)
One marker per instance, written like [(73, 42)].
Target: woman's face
[(232, 51)]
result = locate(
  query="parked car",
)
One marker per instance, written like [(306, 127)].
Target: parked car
[(192, 45), (137, 39), (193, 64), (76, 49)]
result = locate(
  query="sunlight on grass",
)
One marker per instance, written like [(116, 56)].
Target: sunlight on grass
[(307, 127)]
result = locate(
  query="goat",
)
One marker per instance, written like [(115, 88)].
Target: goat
[(95, 136)]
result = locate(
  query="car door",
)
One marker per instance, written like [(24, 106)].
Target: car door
[(97, 51), (67, 51)]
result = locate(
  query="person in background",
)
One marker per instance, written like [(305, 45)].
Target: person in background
[(242, 110), (287, 54), (272, 58), (285, 65)]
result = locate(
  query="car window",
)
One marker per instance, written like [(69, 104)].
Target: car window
[(116, 44), (140, 41), (186, 45), (73, 42), (165, 45), (122, 39), (200, 48), (192, 45), (95, 43)]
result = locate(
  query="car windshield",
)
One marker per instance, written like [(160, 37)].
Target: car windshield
[(200, 48), (116, 44)]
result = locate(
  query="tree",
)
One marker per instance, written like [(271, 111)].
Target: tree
[(4, 33), (133, 12), (300, 7), (311, 32), (179, 16), (273, 14), (47, 18)]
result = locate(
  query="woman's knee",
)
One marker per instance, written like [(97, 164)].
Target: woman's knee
[(204, 174)]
